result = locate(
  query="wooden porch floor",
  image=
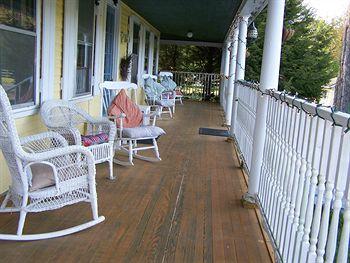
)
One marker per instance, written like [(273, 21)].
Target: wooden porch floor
[(184, 209)]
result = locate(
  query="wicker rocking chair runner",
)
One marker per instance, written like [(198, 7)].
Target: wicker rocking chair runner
[(46, 174)]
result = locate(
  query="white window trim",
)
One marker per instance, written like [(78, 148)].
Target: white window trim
[(116, 47), (157, 57), (33, 109), (136, 20), (70, 39), (151, 54), (100, 37), (149, 50), (48, 50)]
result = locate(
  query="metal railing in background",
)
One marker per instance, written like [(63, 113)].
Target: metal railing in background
[(198, 86), (21, 92), (304, 190)]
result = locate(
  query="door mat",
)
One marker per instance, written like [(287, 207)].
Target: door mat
[(213, 132)]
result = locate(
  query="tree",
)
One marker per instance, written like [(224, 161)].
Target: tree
[(307, 61), (342, 91), (190, 58)]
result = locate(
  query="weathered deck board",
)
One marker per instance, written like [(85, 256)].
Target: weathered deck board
[(184, 209)]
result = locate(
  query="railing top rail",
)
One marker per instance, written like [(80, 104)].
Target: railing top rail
[(194, 73), (337, 117)]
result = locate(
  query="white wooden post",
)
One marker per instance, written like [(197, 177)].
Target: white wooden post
[(268, 80), (224, 65), (240, 67), (231, 79), (226, 73)]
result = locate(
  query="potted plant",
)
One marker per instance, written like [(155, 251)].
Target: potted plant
[(124, 67)]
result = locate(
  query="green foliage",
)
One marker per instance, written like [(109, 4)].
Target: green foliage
[(190, 58), (309, 58)]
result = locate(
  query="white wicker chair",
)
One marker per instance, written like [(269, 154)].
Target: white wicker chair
[(167, 74), (65, 118), (123, 142), (72, 172), (164, 100)]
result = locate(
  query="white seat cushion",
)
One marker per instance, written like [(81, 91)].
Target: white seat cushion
[(42, 176), (143, 132)]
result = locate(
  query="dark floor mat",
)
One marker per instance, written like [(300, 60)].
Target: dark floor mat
[(213, 132)]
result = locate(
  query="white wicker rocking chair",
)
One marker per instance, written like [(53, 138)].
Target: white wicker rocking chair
[(71, 170), (124, 141), (64, 117), (163, 100)]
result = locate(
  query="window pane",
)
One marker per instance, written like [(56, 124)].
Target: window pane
[(155, 54), (18, 13), (136, 39), (17, 51), (135, 52), (109, 45), (85, 47), (147, 51)]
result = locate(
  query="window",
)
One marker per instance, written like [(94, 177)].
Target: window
[(141, 46), (135, 52), (79, 48), (18, 51), (85, 48), (155, 55), (109, 44), (147, 50)]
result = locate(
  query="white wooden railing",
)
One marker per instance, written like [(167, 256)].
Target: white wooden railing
[(198, 85), (246, 114), (304, 190)]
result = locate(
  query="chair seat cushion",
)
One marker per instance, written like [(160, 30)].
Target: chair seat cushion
[(88, 140), (143, 132), (123, 104), (42, 176)]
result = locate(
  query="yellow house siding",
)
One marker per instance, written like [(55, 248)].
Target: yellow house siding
[(59, 47)]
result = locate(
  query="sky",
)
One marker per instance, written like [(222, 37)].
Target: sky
[(329, 9)]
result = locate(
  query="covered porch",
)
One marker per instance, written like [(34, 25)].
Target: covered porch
[(186, 208)]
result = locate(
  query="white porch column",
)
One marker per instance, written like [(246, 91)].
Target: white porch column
[(226, 73), (240, 68), (231, 79), (268, 80), (222, 72)]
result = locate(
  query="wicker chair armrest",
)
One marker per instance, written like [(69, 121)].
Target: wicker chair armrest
[(57, 152), (43, 142)]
